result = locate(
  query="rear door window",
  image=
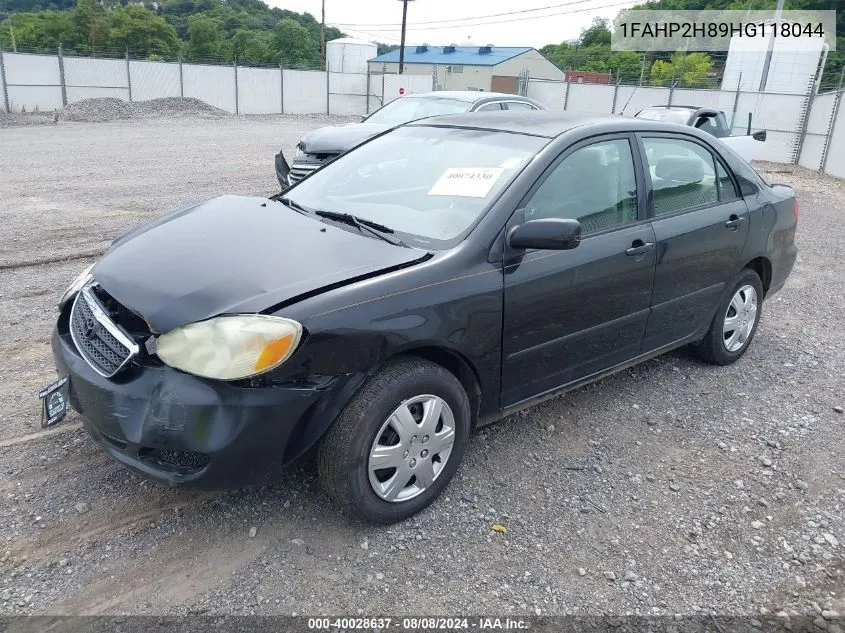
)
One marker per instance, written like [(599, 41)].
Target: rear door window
[(683, 175)]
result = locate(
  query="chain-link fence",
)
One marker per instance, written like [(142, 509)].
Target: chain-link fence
[(32, 81)]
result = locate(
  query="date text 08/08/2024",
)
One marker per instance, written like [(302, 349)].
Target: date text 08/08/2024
[(418, 624)]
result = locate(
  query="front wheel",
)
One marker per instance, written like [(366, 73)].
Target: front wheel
[(397, 443), (735, 322)]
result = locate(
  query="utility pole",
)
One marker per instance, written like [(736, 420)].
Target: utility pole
[(8, 16), (402, 42), (323, 39), (768, 62)]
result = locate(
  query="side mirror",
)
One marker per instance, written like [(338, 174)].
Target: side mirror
[(759, 136), (550, 234)]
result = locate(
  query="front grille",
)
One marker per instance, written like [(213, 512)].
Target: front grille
[(298, 171), (100, 341)]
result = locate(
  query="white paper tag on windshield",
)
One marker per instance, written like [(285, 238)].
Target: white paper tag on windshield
[(472, 182)]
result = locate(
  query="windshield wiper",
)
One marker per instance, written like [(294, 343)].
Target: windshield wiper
[(374, 228), (293, 205)]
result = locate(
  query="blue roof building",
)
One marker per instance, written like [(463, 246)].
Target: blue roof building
[(484, 68)]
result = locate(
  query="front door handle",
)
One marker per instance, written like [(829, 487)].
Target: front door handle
[(639, 248), (734, 222)]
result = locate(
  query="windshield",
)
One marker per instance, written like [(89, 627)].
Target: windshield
[(666, 115), (428, 184), (407, 109)]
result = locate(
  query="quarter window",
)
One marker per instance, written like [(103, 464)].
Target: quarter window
[(683, 174), (519, 105), (727, 191), (595, 185), (496, 105)]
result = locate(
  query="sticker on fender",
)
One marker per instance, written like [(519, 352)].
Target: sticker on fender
[(471, 182)]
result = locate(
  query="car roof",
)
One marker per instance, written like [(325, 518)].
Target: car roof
[(548, 124), (470, 96)]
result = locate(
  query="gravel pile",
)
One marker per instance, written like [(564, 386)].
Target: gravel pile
[(110, 109)]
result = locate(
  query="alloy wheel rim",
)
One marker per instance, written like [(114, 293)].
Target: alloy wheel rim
[(411, 448), (740, 318)]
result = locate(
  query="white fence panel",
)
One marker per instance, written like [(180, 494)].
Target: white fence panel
[(594, 98), (413, 84), (31, 98), (836, 153), (347, 93), (213, 84), (154, 80), (718, 99), (632, 99), (2, 97), (551, 94), (769, 111), (305, 92), (32, 81), (818, 126), (259, 90), (88, 78)]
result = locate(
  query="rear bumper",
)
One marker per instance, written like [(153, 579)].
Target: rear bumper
[(182, 430), (782, 267)]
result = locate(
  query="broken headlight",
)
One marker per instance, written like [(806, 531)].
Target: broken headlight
[(230, 347), (83, 278)]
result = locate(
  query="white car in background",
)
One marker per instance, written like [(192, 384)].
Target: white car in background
[(749, 146)]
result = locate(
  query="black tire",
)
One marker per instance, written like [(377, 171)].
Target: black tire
[(343, 455), (712, 348)]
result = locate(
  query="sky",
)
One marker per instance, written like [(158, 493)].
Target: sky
[(529, 23)]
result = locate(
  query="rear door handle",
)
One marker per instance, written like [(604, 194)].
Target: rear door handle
[(734, 222), (639, 248)]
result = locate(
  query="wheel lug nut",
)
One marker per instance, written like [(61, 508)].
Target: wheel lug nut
[(412, 463), (425, 439), (424, 453), (405, 454)]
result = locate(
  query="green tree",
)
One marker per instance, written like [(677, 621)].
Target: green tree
[(294, 43), (142, 32), (203, 38), (689, 70), (90, 19)]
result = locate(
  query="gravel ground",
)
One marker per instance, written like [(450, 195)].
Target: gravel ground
[(671, 488)]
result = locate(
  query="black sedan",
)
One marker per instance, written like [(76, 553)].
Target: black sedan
[(324, 144), (441, 276)]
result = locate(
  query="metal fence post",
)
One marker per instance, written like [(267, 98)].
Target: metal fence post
[(181, 80), (805, 122), (367, 106), (566, 94), (615, 94), (736, 101), (62, 76), (235, 66), (672, 89), (128, 77), (3, 82), (281, 87), (837, 103), (328, 98)]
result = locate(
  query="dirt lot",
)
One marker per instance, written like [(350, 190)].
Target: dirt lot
[(674, 487)]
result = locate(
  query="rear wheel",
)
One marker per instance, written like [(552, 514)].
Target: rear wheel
[(397, 443), (735, 323)]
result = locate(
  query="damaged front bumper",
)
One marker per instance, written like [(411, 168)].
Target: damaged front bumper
[(282, 171), (187, 431)]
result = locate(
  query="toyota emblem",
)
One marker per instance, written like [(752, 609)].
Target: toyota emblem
[(90, 328)]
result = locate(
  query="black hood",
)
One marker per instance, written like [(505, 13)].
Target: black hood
[(235, 254), (340, 138)]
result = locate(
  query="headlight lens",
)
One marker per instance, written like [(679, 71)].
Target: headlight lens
[(230, 347), (83, 278), (298, 152)]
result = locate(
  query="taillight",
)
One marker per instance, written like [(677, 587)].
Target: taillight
[(796, 209)]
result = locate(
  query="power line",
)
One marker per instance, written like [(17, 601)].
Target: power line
[(473, 17), (472, 24)]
